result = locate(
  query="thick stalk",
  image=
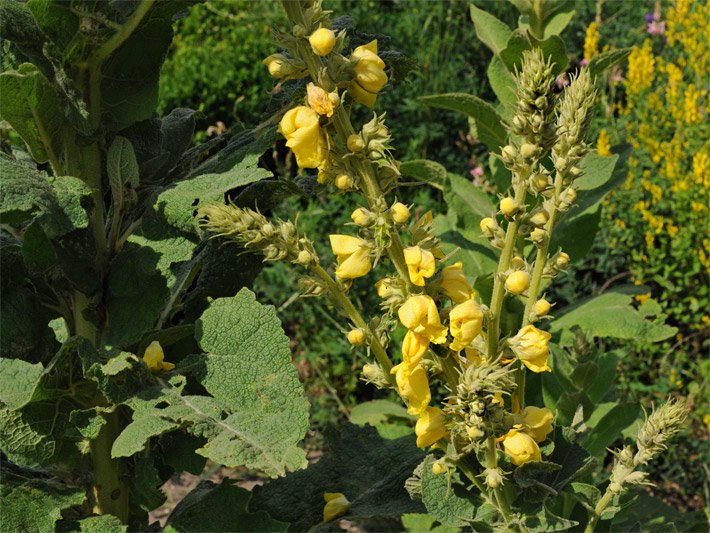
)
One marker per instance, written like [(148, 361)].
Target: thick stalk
[(511, 235), (109, 491), (598, 511), (347, 306)]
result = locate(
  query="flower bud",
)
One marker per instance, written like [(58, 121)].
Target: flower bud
[(298, 31), (542, 307), (437, 468), (539, 182), (576, 172), (322, 41), (355, 143), (475, 433), (560, 164), (356, 336), (488, 225), (538, 235), (518, 282), (304, 258), (529, 150), (509, 206), (567, 199), (561, 260), (362, 217), (400, 213), (494, 478), (508, 154), (539, 217), (517, 262), (336, 505), (344, 182)]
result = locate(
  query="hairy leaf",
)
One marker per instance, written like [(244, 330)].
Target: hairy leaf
[(446, 500), (425, 170), (601, 62), (207, 504), (368, 470), (489, 123), (491, 31)]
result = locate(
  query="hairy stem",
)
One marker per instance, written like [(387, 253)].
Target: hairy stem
[(109, 490), (599, 508), (342, 300)]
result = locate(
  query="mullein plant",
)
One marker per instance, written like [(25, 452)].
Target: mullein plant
[(483, 426)]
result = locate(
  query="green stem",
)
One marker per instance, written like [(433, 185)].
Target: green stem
[(342, 300), (109, 490), (511, 235), (598, 511)]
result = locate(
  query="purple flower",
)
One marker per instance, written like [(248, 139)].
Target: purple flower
[(650, 17)]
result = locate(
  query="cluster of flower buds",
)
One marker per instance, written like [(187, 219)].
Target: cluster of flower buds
[(278, 241)]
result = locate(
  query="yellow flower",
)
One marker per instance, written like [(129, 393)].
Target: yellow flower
[(353, 256), (591, 41), (537, 422), (319, 100), (530, 346), (336, 504), (369, 74), (419, 314), (414, 346), (430, 427), (384, 287), (520, 447), (153, 358), (322, 41), (518, 282), (454, 283), (474, 357), (421, 264), (603, 144), (301, 128), (466, 321), (413, 386), (641, 68)]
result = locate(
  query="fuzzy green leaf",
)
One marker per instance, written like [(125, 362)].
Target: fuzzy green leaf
[(367, 469), (601, 62), (491, 31), (503, 85), (18, 380), (32, 107), (179, 204), (610, 315), (489, 123), (102, 524), (34, 504), (206, 504), (609, 428), (446, 500), (122, 167), (425, 170), (553, 48)]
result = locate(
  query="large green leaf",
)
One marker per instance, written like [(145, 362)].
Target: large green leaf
[(136, 295), (425, 170), (469, 203), (257, 413), (552, 48), (491, 31), (503, 85), (179, 203), (204, 509), (34, 503), (368, 470), (32, 107), (601, 62), (609, 428), (471, 247), (489, 123), (446, 499), (611, 314)]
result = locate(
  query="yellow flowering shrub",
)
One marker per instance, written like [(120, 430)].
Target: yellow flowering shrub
[(657, 225)]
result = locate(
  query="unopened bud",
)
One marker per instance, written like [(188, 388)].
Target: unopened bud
[(560, 164), (542, 307), (400, 212), (567, 198), (539, 182), (334, 98), (539, 217), (494, 479), (322, 41), (508, 154), (362, 217), (344, 182), (509, 206), (576, 172), (488, 226), (538, 235), (474, 433), (518, 263), (355, 143), (518, 282), (561, 260), (298, 31), (529, 151), (437, 468), (304, 258), (356, 336)]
